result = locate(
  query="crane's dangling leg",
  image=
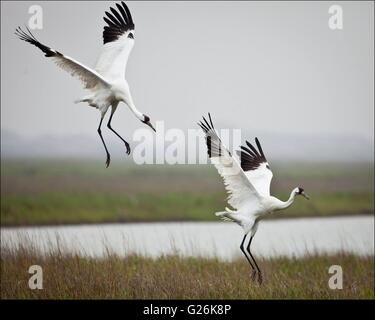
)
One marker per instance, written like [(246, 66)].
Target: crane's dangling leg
[(101, 137), (114, 107), (260, 278), (247, 258)]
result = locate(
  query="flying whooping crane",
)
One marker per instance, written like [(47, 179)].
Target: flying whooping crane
[(248, 186), (106, 82)]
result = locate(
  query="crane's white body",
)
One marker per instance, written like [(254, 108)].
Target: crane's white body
[(248, 185), (249, 193), (106, 82), (111, 67), (249, 213)]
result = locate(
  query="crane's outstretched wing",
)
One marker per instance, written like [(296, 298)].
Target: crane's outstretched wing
[(256, 168), (240, 190), (118, 38), (90, 78)]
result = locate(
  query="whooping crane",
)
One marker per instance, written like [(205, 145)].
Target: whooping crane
[(107, 80), (248, 186)]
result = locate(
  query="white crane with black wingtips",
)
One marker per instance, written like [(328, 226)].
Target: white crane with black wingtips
[(248, 185), (106, 82)]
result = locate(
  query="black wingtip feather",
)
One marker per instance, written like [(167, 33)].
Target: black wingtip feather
[(259, 147), (209, 115), (32, 40), (248, 151), (251, 158), (120, 19), (118, 22), (128, 13), (207, 126), (252, 148), (201, 125), (123, 12)]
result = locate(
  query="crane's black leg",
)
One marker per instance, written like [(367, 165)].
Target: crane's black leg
[(260, 278), (247, 258), (110, 128), (105, 147)]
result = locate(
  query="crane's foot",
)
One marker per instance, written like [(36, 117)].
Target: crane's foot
[(108, 161), (253, 275), (127, 148), (260, 278)]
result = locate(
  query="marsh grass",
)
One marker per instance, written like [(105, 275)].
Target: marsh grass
[(71, 276)]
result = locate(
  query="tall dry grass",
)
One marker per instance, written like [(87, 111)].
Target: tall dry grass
[(69, 276)]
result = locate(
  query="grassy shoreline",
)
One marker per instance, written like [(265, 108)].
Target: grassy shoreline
[(175, 277), (53, 192), (86, 208)]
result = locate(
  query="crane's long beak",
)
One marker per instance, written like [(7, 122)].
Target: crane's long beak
[(306, 196), (151, 126)]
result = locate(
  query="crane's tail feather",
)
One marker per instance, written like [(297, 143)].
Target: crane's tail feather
[(89, 100), (227, 215)]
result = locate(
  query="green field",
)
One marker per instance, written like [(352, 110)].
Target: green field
[(66, 191), (175, 277)]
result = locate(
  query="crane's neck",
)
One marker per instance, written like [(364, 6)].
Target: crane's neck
[(133, 109), (283, 205), (127, 99)]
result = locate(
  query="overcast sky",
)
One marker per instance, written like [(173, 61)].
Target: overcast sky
[(272, 67)]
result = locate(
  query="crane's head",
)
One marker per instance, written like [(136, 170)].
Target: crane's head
[(301, 192), (146, 120)]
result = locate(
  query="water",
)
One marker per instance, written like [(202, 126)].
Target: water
[(287, 237)]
